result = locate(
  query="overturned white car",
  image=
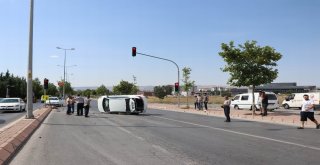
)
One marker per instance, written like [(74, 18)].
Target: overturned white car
[(123, 103)]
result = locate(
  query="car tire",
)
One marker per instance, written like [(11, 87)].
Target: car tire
[(286, 106), (20, 110), (236, 107)]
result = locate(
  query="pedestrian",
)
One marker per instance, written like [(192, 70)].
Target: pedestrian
[(260, 102), (80, 104), (206, 100), (200, 101), (69, 102), (87, 106), (307, 111), (226, 108), (264, 103), (73, 100), (195, 102)]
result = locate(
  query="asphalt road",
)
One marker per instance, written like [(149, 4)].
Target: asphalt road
[(8, 117), (164, 137)]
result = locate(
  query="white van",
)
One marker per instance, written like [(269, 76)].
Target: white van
[(244, 101), (295, 100)]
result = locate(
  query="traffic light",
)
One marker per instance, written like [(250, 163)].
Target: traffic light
[(45, 83), (176, 87), (134, 51)]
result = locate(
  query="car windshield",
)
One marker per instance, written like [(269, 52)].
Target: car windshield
[(9, 100), (53, 98)]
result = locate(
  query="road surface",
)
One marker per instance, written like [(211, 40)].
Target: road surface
[(165, 138)]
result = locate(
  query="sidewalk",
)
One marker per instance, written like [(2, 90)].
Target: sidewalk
[(283, 117), (14, 135)]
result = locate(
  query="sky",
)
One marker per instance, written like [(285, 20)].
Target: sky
[(189, 32)]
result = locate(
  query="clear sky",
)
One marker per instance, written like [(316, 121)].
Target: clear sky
[(189, 32)]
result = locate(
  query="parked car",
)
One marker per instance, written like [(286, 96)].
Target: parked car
[(295, 100), (244, 101), (123, 103), (54, 101), (12, 104)]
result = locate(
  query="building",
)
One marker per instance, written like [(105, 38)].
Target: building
[(290, 87)]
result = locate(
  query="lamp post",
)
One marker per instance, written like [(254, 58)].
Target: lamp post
[(64, 68), (29, 72)]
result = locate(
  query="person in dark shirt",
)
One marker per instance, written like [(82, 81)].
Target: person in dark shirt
[(264, 103)]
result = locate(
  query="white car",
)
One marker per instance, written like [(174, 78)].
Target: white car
[(12, 104), (130, 104), (54, 101), (244, 101)]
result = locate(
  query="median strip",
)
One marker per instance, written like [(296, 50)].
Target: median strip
[(14, 136)]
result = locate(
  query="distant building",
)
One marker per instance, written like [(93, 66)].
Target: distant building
[(290, 87)]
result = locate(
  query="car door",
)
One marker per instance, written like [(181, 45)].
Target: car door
[(244, 102)]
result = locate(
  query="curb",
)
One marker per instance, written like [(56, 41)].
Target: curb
[(17, 135)]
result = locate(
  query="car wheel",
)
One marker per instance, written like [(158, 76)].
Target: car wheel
[(236, 107), (286, 106), (20, 110)]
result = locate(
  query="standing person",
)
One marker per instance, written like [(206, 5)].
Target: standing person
[(199, 97), (69, 102), (72, 104), (264, 103), (307, 111), (206, 100), (260, 102), (226, 108), (80, 104), (195, 102), (87, 106)]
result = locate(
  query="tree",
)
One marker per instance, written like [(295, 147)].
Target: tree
[(52, 90), (168, 89), (68, 89), (250, 65), (102, 90), (37, 88), (160, 92), (125, 88), (187, 82)]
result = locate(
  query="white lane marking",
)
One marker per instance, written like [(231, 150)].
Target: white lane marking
[(245, 134)]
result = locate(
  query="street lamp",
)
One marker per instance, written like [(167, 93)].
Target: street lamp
[(64, 68)]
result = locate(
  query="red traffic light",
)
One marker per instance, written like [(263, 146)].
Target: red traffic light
[(134, 51), (45, 83), (176, 87)]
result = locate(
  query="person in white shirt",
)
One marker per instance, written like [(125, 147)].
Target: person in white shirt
[(226, 108), (87, 106), (307, 111)]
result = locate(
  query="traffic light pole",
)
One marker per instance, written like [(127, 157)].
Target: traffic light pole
[(174, 64)]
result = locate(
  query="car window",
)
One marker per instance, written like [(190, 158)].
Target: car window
[(236, 98), (10, 101), (245, 97), (53, 98), (272, 97)]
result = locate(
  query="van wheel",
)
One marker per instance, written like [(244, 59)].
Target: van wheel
[(286, 106), (236, 107)]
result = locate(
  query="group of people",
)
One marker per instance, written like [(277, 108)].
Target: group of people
[(201, 101), (82, 103)]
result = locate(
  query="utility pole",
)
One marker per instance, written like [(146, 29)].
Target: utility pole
[(29, 74)]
